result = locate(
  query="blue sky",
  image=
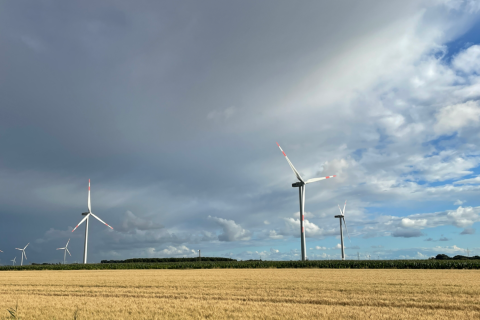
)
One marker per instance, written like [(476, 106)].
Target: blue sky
[(173, 112)]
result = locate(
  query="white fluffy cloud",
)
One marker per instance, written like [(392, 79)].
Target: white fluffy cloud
[(455, 117), (231, 230), (468, 60)]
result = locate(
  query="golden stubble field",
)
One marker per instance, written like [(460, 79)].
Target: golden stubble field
[(242, 294)]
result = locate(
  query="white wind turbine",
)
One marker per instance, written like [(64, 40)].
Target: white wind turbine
[(301, 190), (23, 253), (87, 216), (341, 217), (66, 250), (13, 261)]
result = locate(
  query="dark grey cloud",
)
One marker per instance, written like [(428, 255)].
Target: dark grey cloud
[(407, 233), (173, 110), (468, 231)]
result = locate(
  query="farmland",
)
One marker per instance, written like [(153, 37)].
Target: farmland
[(241, 293)]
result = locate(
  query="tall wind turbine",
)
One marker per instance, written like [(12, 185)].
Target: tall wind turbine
[(23, 253), (13, 261), (87, 216), (66, 250), (301, 191), (341, 217)]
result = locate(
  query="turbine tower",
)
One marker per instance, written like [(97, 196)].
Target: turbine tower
[(23, 253), (13, 261), (66, 250), (341, 217), (87, 216), (301, 191)]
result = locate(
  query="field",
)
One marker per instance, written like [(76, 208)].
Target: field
[(241, 294)]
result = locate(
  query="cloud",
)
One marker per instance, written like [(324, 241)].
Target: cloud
[(384, 93), (273, 235), (320, 248), (231, 230), (409, 223), (475, 180), (311, 229), (443, 239), (459, 202), (377, 247), (131, 222), (179, 251), (468, 231), (455, 117), (468, 61), (402, 233), (222, 114), (429, 239)]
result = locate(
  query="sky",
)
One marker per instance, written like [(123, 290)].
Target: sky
[(173, 110)]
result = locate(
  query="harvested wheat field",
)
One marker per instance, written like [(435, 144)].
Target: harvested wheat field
[(241, 294)]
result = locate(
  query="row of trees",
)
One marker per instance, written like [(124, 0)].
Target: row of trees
[(157, 260), (457, 257)]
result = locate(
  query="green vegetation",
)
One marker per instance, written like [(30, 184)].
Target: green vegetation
[(457, 257), (334, 264), (150, 260)]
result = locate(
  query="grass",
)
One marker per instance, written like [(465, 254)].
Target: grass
[(242, 294)]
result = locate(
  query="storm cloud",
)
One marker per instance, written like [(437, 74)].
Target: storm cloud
[(173, 110)]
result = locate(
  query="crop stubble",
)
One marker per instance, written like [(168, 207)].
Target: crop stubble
[(242, 294)]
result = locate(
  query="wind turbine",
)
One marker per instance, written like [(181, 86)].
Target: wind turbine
[(301, 191), (66, 250), (87, 216), (341, 217), (23, 253), (14, 260)]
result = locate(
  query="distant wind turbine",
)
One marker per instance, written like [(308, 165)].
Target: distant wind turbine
[(14, 260), (301, 190), (341, 217), (23, 253), (66, 250), (87, 216)]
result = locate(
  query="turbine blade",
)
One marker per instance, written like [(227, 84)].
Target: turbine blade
[(318, 179), (89, 204), (101, 220), (25, 255), (291, 165), (68, 252), (60, 248), (67, 243), (26, 246), (344, 207), (81, 222), (346, 229), (341, 213), (19, 249)]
